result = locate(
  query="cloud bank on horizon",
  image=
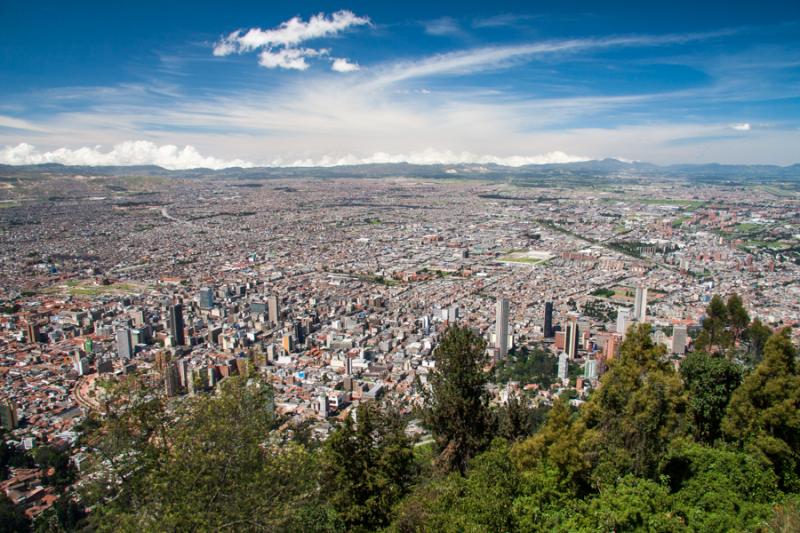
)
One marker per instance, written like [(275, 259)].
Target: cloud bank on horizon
[(348, 87), (173, 158)]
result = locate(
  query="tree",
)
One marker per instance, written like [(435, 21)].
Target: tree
[(710, 382), (516, 420), (212, 467), (764, 412), (714, 338), (457, 403), (64, 473), (718, 489), (12, 519), (639, 408), (738, 319), (367, 467), (757, 335)]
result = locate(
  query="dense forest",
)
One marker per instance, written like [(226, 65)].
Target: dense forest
[(711, 446)]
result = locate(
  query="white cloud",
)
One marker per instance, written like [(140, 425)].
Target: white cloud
[(289, 58), (341, 64), (743, 126), (126, 153), (281, 45), (432, 157)]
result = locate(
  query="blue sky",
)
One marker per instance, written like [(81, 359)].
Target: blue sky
[(294, 83)]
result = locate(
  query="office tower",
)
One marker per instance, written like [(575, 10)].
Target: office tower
[(274, 310), (563, 366), (288, 343), (176, 324), (501, 328), (8, 415), (590, 369), (452, 314), (548, 320), (206, 298), (640, 304), (323, 405), (348, 366), (679, 340), (623, 320), (426, 325), (572, 339), (33, 332), (171, 380), (611, 347), (124, 343)]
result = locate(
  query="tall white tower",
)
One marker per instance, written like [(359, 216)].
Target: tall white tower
[(501, 328), (640, 304)]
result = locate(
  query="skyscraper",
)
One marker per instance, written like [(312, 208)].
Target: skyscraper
[(640, 304), (8, 415), (563, 366), (124, 343), (206, 298), (501, 328), (274, 310), (176, 324), (548, 320), (679, 340), (33, 332), (572, 338), (623, 320)]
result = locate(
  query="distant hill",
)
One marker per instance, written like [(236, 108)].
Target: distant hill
[(605, 168)]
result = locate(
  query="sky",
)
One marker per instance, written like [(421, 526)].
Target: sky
[(276, 83)]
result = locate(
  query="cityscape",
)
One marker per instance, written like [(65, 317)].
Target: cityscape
[(428, 342)]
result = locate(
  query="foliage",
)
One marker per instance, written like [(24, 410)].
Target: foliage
[(211, 470), (368, 465), (710, 381), (457, 403), (764, 413), (12, 519), (527, 366), (517, 420)]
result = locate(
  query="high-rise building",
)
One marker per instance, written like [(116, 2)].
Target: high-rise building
[(8, 414), (124, 343), (563, 366), (623, 320), (274, 309), (171, 380), (206, 298), (176, 324), (288, 343), (640, 304), (590, 369), (33, 332), (323, 405), (452, 314), (679, 340), (548, 320), (572, 338), (501, 328)]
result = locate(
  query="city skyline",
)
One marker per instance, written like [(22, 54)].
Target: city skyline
[(328, 84)]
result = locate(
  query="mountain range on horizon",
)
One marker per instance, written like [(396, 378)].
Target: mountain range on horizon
[(603, 167)]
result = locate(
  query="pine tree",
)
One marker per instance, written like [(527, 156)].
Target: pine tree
[(457, 403), (764, 412)]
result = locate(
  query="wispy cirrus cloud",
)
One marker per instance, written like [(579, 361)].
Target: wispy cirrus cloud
[(495, 57), (280, 46)]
